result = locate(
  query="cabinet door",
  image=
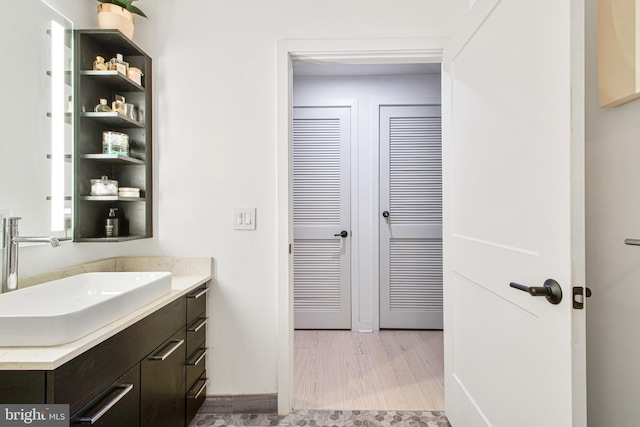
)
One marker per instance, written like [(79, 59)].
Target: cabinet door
[(117, 406), (162, 400), (22, 387)]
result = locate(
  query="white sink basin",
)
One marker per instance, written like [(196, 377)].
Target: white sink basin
[(65, 310)]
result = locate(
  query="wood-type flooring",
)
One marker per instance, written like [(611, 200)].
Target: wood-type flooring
[(386, 370)]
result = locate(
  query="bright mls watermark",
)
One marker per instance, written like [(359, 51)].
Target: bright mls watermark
[(34, 415)]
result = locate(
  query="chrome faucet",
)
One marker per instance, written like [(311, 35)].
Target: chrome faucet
[(10, 240)]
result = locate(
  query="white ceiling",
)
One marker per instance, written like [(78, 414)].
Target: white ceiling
[(301, 68)]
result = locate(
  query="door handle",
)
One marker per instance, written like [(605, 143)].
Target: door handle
[(343, 233), (386, 214), (550, 290)]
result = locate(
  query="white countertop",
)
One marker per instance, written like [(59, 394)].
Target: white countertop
[(49, 358)]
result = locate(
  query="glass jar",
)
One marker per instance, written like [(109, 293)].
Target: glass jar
[(115, 143), (104, 186)]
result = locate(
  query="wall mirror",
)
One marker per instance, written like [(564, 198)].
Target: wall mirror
[(36, 118)]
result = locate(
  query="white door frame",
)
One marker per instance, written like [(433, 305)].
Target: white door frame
[(365, 51)]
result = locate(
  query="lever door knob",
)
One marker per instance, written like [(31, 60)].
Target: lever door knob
[(550, 290), (385, 214), (343, 233)]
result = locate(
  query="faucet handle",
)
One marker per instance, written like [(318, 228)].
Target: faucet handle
[(12, 222)]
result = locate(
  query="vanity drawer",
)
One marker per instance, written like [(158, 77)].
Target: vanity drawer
[(196, 334), (118, 405), (196, 303), (195, 396), (196, 362)]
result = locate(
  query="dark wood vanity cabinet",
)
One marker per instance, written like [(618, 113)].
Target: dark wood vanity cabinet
[(150, 374)]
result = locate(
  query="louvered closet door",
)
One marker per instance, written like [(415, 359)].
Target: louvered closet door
[(411, 234), (322, 279)]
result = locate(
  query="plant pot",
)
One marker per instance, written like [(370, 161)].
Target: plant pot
[(113, 16)]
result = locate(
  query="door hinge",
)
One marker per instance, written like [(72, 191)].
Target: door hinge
[(578, 296), (290, 248)]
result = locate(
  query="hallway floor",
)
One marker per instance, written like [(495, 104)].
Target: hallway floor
[(391, 370)]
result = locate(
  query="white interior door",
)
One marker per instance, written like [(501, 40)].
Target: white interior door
[(321, 212), (411, 217), (513, 212)]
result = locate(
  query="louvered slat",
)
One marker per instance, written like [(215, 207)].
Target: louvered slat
[(416, 275), (316, 171), (316, 276), (415, 170)]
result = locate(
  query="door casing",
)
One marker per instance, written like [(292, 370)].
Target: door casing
[(374, 51)]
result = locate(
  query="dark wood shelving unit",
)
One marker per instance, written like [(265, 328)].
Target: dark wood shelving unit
[(90, 86)]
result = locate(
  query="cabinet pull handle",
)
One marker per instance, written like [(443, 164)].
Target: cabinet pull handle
[(126, 388), (196, 328), (204, 353), (174, 347), (199, 294), (200, 390)]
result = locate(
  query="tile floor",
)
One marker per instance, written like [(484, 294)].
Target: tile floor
[(326, 418)]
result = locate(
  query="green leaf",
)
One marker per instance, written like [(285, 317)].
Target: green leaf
[(126, 4), (131, 8), (116, 2)]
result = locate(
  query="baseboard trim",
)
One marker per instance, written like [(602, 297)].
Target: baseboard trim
[(240, 404)]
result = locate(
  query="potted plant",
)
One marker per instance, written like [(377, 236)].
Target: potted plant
[(118, 14)]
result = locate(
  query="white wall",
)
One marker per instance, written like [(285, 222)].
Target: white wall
[(216, 90), (613, 269), (215, 133), (366, 93)]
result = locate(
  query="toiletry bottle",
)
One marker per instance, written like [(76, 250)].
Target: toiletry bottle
[(119, 104), (121, 66), (102, 107), (112, 224), (99, 65)]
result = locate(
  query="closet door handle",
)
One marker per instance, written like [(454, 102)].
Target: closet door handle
[(343, 233), (386, 214)]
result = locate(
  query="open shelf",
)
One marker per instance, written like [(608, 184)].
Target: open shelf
[(113, 199), (67, 117), (113, 119), (110, 239), (113, 79), (67, 157), (113, 159), (67, 77)]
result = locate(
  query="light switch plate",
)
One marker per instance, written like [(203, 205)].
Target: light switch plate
[(244, 218)]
